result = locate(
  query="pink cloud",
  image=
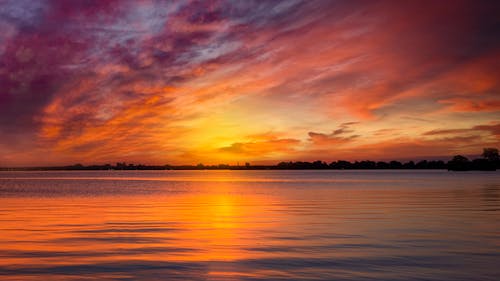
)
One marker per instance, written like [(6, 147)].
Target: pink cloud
[(104, 80)]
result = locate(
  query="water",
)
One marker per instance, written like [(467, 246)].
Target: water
[(250, 225)]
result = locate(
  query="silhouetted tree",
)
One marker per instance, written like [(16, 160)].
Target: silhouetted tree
[(319, 165), (421, 164), (341, 165), (382, 165), (491, 154), (459, 163), (395, 165), (436, 165), (409, 165), (483, 165)]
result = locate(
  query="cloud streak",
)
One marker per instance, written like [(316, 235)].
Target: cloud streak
[(187, 81)]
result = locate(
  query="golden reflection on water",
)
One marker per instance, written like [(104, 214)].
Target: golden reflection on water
[(287, 228), (198, 227)]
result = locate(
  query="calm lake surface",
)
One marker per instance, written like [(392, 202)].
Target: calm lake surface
[(250, 225)]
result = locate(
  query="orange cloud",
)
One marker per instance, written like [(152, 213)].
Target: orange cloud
[(472, 105), (493, 129), (185, 82), (277, 147)]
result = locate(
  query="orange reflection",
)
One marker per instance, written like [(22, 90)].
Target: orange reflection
[(197, 226), (228, 224)]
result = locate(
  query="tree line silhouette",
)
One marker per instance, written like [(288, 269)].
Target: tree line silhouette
[(490, 161)]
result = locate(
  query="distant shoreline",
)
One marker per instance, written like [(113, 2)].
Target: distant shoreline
[(254, 168), (463, 165)]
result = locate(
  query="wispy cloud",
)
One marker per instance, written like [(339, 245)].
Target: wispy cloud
[(110, 81)]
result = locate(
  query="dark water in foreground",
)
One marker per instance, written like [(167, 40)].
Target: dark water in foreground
[(250, 225)]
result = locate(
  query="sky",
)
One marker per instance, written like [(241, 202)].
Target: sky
[(187, 82)]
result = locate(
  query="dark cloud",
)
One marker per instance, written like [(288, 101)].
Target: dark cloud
[(32, 67), (392, 50), (330, 139), (493, 129), (339, 136)]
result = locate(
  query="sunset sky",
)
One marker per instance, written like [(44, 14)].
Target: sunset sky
[(187, 82)]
